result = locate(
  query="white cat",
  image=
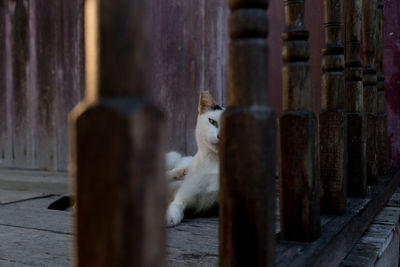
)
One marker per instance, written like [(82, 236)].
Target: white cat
[(193, 182)]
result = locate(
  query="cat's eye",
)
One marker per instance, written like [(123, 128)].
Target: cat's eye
[(213, 122)]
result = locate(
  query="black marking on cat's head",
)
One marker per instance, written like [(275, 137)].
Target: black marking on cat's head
[(206, 102)]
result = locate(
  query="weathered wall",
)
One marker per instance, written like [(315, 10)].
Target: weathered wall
[(391, 70), (190, 49), (41, 70), (41, 79)]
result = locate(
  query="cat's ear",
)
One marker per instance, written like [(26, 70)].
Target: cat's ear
[(206, 102)]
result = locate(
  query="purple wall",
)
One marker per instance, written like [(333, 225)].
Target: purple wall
[(391, 69)]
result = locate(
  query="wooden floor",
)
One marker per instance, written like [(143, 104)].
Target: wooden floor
[(32, 235)]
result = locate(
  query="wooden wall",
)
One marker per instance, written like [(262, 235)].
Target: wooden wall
[(391, 70), (41, 71), (190, 48), (41, 79)]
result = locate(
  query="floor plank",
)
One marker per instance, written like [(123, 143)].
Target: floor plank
[(35, 181), (32, 247), (34, 214), (9, 196)]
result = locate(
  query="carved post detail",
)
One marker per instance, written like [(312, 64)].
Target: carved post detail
[(332, 127), (297, 134), (381, 134), (356, 130), (369, 91), (247, 148), (117, 141)]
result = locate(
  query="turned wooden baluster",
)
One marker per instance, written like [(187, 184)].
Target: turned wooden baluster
[(247, 149), (369, 83), (356, 127), (382, 143), (332, 127), (297, 130), (117, 141)]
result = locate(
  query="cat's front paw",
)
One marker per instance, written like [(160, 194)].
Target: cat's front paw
[(174, 214), (176, 174)]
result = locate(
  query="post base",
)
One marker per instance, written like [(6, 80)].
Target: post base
[(298, 176)]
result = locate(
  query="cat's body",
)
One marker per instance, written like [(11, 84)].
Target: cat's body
[(194, 182)]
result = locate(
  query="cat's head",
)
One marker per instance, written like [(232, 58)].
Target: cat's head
[(208, 123)]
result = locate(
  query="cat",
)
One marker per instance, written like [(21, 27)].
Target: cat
[(193, 182)]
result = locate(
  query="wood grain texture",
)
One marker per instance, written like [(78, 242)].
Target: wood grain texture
[(341, 233), (368, 49), (381, 134), (332, 155), (5, 148), (371, 148), (21, 147), (369, 86), (70, 71), (332, 85), (332, 123), (382, 143), (247, 149), (45, 97), (298, 176), (190, 40), (297, 134), (118, 144), (43, 79), (356, 146), (379, 244)]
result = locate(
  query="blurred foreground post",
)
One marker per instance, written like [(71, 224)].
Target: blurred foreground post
[(247, 149), (297, 134), (117, 143)]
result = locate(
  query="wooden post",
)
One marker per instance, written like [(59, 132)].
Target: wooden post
[(369, 83), (118, 143), (332, 127), (356, 130), (297, 130), (382, 143), (247, 149)]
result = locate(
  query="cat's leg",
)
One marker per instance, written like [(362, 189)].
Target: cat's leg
[(175, 213), (184, 197), (176, 174), (173, 187)]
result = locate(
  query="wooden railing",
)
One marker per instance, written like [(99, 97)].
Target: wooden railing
[(118, 143), (247, 147)]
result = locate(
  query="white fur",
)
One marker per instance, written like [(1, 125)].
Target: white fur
[(175, 160), (172, 160), (194, 182)]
